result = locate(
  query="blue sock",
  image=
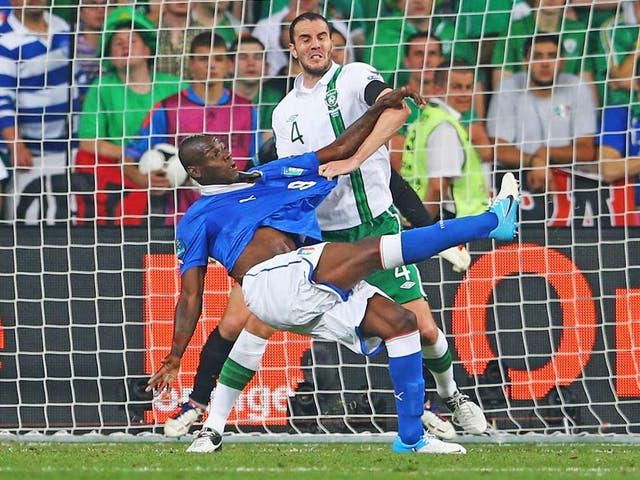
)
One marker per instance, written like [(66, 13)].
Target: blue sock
[(421, 243), (408, 386)]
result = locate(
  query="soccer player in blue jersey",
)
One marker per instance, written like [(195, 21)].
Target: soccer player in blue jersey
[(261, 225)]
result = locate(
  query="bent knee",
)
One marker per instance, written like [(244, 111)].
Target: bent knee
[(406, 321), (429, 333)]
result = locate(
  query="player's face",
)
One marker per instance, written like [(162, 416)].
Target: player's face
[(312, 46), (216, 165), (543, 63)]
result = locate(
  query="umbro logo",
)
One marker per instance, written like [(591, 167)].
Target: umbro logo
[(407, 285), (248, 199), (292, 118)]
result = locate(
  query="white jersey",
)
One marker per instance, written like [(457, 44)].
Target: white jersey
[(301, 123)]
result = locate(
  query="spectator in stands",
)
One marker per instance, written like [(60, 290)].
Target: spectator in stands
[(113, 111), (481, 22), (205, 107), (439, 160), (269, 29), (176, 31), (615, 53), (548, 17), (619, 155), (36, 101), (389, 38), (340, 54), (250, 72), (423, 56), (5, 161), (216, 15), (593, 13), (249, 67), (90, 28), (542, 117)]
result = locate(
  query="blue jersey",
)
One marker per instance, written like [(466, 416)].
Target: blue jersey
[(621, 130), (222, 223)]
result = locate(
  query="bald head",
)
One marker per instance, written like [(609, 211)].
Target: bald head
[(193, 149), (208, 161)]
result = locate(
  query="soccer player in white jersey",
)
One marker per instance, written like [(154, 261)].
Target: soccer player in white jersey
[(325, 99)]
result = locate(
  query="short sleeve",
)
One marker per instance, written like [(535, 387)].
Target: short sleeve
[(293, 166), (445, 152), (191, 246), (356, 76)]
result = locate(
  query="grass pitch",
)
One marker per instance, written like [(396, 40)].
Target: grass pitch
[(327, 461)]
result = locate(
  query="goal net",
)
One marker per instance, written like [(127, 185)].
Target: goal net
[(544, 332)]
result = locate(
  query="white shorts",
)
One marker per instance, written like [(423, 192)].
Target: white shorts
[(281, 292)]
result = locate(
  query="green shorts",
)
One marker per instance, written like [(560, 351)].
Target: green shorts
[(403, 283)]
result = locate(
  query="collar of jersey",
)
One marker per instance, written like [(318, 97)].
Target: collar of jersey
[(190, 94), (326, 78), (444, 105), (219, 189)]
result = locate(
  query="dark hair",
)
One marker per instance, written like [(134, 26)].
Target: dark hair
[(192, 148), (311, 17), (441, 77), (540, 38), (417, 36), (333, 30), (207, 40), (245, 39)]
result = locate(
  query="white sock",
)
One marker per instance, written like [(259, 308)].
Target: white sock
[(224, 399), (445, 384), (247, 353)]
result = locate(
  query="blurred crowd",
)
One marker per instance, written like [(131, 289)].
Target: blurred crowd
[(544, 88)]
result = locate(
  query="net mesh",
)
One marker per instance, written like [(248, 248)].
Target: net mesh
[(544, 333)]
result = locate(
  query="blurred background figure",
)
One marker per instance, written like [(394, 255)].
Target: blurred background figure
[(217, 17), (205, 106), (90, 28), (176, 30), (113, 111), (36, 103)]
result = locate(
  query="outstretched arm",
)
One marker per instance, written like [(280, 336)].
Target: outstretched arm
[(389, 122), (187, 313), (387, 114)]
